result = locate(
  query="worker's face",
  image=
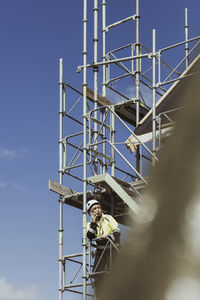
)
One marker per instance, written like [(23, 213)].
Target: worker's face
[(96, 210)]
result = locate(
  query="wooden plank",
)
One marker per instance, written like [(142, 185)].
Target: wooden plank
[(100, 123), (167, 125), (171, 98), (59, 188), (101, 100), (126, 111), (100, 154), (75, 200)]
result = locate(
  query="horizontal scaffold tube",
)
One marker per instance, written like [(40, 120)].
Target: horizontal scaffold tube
[(131, 131), (120, 22), (113, 61)]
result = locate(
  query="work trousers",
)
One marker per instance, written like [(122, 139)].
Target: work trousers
[(102, 264)]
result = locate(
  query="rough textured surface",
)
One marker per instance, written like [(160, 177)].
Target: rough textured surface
[(154, 254)]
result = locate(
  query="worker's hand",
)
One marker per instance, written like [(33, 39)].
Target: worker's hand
[(94, 217), (103, 236)]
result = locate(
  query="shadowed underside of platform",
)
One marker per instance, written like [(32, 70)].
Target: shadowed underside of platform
[(110, 199)]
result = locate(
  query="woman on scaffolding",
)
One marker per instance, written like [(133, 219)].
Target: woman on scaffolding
[(104, 230)]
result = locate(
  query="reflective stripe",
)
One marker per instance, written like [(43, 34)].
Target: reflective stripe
[(112, 237), (91, 230), (117, 230), (106, 226), (101, 247)]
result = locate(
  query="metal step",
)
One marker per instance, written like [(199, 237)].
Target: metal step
[(121, 188), (123, 194)]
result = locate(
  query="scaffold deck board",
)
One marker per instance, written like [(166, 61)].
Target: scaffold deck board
[(171, 99), (105, 195), (125, 110), (107, 181), (59, 188)]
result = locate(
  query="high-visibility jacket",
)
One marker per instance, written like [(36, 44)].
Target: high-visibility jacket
[(107, 225)]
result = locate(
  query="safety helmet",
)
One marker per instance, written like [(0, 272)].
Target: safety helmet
[(90, 203)]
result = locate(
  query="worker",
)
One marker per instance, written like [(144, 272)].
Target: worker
[(105, 230)]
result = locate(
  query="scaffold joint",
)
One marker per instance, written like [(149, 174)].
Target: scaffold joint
[(79, 69), (85, 21), (95, 68), (61, 199), (136, 17)]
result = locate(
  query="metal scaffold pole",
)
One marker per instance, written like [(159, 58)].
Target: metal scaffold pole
[(186, 39), (112, 140), (92, 152), (137, 71), (95, 70), (104, 71), (61, 180), (104, 46), (153, 94), (84, 88), (137, 78)]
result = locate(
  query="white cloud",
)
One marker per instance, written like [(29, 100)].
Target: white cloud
[(114, 97), (2, 184), (19, 186), (192, 227), (130, 92), (10, 154), (186, 288), (10, 291), (145, 92), (15, 185)]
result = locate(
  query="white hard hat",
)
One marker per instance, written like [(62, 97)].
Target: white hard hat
[(90, 203)]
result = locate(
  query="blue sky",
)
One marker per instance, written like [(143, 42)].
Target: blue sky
[(34, 35)]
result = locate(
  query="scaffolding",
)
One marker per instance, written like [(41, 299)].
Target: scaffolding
[(94, 129)]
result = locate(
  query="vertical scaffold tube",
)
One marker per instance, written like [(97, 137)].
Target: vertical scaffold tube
[(154, 93), (137, 74), (104, 46), (137, 77), (84, 88), (61, 179), (95, 70), (186, 39), (132, 54), (112, 139), (104, 75)]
